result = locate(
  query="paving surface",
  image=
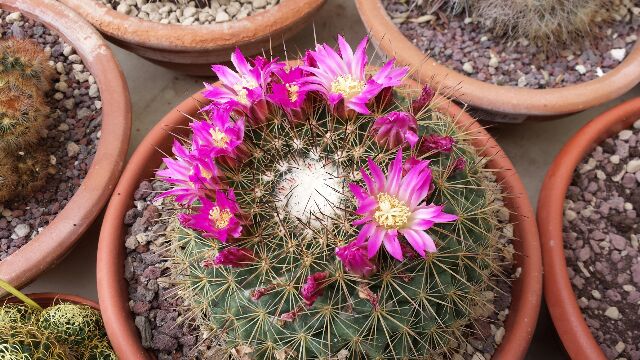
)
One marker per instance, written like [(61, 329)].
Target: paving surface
[(155, 91)]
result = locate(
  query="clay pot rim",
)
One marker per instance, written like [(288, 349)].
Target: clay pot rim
[(502, 99), (177, 37), (48, 299), (112, 286), (558, 291), (57, 238)]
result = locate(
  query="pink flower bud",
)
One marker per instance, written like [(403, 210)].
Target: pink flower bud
[(424, 100), (313, 287), (395, 129), (234, 257), (436, 143), (355, 259)]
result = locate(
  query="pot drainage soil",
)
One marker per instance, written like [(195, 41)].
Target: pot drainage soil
[(163, 321), (601, 237), (463, 45), (72, 133), (200, 12)]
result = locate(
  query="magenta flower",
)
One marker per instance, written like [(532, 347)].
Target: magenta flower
[(459, 164), (437, 143), (234, 257), (391, 206), (423, 100), (219, 135), (245, 89), (291, 91), (396, 128), (355, 260), (215, 219), (313, 287), (192, 176), (342, 78)]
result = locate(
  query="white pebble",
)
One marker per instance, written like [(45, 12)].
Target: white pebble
[(22, 230), (581, 69), (67, 50), (69, 104), (222, 16), (123, 8), (499, 335), (615, 159), (625, 134), (620, 346), (599, 72), (72, 149), (258, 4), (75, 58), (14, 17), (618, 54), (93, 90), (633, 166), (468, 67), (613, 313), (596, 294)]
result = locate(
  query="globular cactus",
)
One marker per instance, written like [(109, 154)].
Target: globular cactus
[(25, 60), (288, 261), (24, 173), (17, 314), (74, 325), (96, 350), (22, 114), (29, 343)]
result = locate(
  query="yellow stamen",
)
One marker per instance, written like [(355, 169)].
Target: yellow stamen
[(204, 172), (391, 213), (241, 89), (347, 86), (293, 91), (220, 218), (220, 139)]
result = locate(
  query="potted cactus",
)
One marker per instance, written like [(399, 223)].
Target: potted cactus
[(188, 36), (51, 326), (534, 58), (64, 133), (318, 211)]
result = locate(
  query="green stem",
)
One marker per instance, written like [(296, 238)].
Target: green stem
[(15, 292)]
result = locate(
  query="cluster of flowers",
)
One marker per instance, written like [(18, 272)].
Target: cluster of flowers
[(390, 205)]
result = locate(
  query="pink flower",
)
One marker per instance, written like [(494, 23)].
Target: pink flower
[(291, 91), (192, 176), (219, 135), (313, 287), (215, 219), (355, 260), (391, 206), (342, 79), (423, 100), (396, 128), (245, 89), (437, 143), (234, 257)]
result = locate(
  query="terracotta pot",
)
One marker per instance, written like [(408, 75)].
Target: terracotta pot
[(561, 299), (112, 286), (513, 101), (48, 299), (57, 239), (192, 49)]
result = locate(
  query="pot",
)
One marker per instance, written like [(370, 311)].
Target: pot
[(191, 49), (48, 299), (112, 286), (512, 103), (56, 240), (558, 292)]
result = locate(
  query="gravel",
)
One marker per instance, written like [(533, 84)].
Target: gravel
[(201, 12), (462, 44), (601, 233), (161, 315), (73, 130)]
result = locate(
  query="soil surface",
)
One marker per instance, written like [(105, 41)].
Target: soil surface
[(601, 236), (464, 45), (71, 136)]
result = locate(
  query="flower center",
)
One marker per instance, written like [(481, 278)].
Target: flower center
[(347, 86), (391, 213), (219, 217), (241, 89), (220, 139), (293, 91), (204, 172)]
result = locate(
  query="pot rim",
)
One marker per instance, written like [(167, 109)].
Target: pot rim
[(176, 37), (112, 286), (566, 314), (49, 298), (503, 99), (57, 238)]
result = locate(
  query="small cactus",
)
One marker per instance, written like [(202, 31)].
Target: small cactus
[(73, 325), (305, 246), (97, 350), (17, 314), (25, 60), (29, 343), (22, 114), (23, 174)]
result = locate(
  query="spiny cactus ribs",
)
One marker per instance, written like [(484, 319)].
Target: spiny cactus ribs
[(25, 76), (63, 331), (325, 214)]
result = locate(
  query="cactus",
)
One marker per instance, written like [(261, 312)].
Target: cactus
[(22, 114), (17, 314), (25, 60), (23, 174), (73, 325), (97, 350), (293, 282), (29, 343)]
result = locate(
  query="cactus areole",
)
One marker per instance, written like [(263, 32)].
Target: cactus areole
[(322, 213)]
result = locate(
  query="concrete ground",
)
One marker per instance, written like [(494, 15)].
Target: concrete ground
[(155, 91)]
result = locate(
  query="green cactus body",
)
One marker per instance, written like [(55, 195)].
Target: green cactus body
[(73, 325), (419, 308), (17, 314), (29, 343), (23, 174), (22, 114), (97, 350)]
